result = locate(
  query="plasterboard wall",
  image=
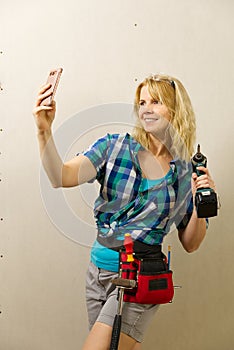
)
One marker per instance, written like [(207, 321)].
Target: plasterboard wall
[(106, 48)]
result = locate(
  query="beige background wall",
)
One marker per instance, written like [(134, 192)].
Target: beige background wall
[(106, 48)]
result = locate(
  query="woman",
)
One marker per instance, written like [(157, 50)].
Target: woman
[(146, 186)]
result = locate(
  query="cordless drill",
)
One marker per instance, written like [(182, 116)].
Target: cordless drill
[(205, 199)]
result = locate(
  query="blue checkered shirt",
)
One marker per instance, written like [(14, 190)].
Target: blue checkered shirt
[(124, 205)]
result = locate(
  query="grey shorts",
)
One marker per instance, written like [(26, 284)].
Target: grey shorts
[(101, 301)]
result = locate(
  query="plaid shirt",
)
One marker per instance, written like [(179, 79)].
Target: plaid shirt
[(124, 205)]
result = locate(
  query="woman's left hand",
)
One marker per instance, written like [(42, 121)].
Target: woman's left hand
[(202, 181)]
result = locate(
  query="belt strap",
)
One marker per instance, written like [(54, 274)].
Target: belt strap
[(140, 249)]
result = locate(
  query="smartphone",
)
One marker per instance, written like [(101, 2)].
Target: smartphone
[(53, 79)]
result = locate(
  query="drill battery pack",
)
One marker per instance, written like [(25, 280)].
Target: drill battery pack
[(206, 203)]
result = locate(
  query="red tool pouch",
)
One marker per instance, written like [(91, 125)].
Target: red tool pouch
[(154, 280)]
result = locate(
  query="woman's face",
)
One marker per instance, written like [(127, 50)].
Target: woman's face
[(153, 115)]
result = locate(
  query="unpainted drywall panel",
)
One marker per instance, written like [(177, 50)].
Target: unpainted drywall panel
[(106, 48)]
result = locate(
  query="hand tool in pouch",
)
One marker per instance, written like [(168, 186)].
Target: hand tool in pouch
[(122, 284)]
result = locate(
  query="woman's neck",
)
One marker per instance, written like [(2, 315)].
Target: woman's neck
[(158, 149)]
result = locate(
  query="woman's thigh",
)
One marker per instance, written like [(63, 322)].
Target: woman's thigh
[(99, 338), (102, 305)]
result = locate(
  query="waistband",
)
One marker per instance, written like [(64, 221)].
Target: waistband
[(140, 249)]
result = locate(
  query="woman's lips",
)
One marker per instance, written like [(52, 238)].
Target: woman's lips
[(147, 119)]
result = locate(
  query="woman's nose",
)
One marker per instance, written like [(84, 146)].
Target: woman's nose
[(148, 111)]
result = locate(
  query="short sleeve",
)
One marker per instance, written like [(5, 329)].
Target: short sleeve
[(97, 153), (184, 222)]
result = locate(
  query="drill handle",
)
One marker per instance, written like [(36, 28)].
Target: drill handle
[(198, 172)]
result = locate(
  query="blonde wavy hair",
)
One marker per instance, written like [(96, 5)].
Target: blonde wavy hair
[(182, 130)]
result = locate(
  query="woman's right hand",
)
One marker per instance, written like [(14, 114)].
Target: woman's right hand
[(44, 115)]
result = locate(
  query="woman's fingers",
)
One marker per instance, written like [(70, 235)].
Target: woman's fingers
[(38, 109), (43, 93), (44, 88), (204, 170), (205, 180)]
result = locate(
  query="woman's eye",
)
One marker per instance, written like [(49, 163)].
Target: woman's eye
[(156, 102)]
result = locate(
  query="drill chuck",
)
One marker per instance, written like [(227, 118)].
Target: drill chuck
[(198, 160)]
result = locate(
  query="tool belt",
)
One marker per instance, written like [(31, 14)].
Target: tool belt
[(154, 284)]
